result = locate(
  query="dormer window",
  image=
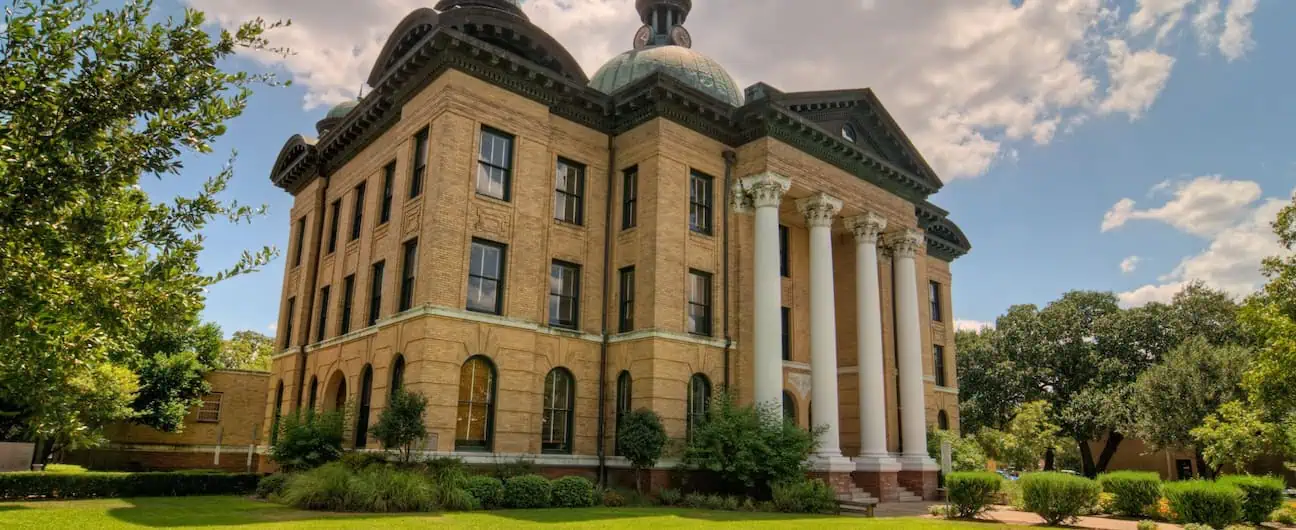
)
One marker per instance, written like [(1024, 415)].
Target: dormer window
[(848, 132)]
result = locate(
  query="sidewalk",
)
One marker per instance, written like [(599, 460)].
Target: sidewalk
[(1006, 515)]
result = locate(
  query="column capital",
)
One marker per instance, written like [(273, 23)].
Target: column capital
[(819, 209), (905, 243), (867, 227), (760, 190)]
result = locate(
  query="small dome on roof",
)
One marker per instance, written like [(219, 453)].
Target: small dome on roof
[(342, 109), (684, 64)]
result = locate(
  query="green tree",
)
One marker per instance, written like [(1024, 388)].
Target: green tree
[(991, 387), (1190, 384), (748, 448), (641, 439), (170, 365), (246, 350), (1028, 438), (308, 439), (965, 453), (1236, 435), (401, 425), (94, 270)]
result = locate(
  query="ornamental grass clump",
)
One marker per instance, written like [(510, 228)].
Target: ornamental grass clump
[(1134, 493), (971, 493), (1059, 498), (1203, 502)]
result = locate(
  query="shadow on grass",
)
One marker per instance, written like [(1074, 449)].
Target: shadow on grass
[(559, 515), (169, 512), (12, 508)]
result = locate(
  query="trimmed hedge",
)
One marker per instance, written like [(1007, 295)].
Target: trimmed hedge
[(271, 485), (1058, 497), (489, 491), (1203, 502), (971, 493), (1260, 495), (527, 491), (804, 496), (1133, 491), (27, 484), (572, 492)]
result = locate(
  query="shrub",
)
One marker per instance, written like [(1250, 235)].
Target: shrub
[(1058, 497), (401, 426), (965, 453), (1260, 495), (91, 484), (613, 499), (64, 468), (1134, 491), (361, 460), (447, 472), (971, 493), (670, 496), (730, 503), (322, 488), (527, 491), (940, 510), (572, 492), (271, 485), (1285, 516), (1210, 503), (457, 499), (308, 440), (748, 447), (641, 438), (1197, 526), (804, 496), (1147, 525), (694, 500), (382, 489), (489, 491)]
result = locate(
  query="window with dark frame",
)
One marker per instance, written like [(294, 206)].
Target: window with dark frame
[(789, 407), (474, 421), (357, 214), (564, 295), (486, 277), (629, 198), (569, 192), (938, 355), (375, 292), (322, 330), (409, 270), (934, 294), (699, 400), (494, 164), (348, 302), (362, 412), (288, 325), (278, 412), (785, 268), (419, 172), (786, 313), (625, 319), (559, 409), (699, 303), (389, 182), (623, 406), (314, 390), (301, 242), (700, 201), (942, 420), (335, 211), (397, 375), (210, 410)]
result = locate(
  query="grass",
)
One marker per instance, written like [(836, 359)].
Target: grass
[(234, 512)]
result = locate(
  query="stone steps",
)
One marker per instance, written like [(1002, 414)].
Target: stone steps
[(909, 496)]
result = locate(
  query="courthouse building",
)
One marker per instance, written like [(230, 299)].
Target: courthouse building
[(539, 251)]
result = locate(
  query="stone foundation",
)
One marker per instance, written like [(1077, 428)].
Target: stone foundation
[(882, 485), (841, 482), (921, 483)]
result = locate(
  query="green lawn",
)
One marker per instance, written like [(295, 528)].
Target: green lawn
[(235, 512)]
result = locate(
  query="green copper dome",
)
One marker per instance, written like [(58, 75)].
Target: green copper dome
[(342, 109), (684, 64)]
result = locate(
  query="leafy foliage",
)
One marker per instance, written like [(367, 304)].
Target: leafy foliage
[(1260, 495), (1204, 502), (333, 487), (271, 485), (748, 447), (246, 350), (1236, 436), (308, 440), (1058, 498), (804, 496), (20, 486), (572, 492), (528, 491), (1133, 492), (966, 453), (401, 425), (1028, 436), (971, 493), (489, 491), (641, 439)]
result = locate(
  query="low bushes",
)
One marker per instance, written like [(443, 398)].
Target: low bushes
[(572, 492), (271, 485), (804, 496), (23, 485), (527, 491), (1133, 492), (1211, 503), (337, 487), (1260, 495), (971, 493), (1147, 525), (1059, 498), (489, 491)]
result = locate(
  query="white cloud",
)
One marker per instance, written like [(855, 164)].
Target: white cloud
[(1129, 264), (1235, 41), (972, 325), (1203, 206), (967, 79), (1163, 14)]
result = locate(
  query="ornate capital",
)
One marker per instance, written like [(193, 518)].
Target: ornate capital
[(905, 243), (867, 227), (765, 189), (740, 200), (819, 209)]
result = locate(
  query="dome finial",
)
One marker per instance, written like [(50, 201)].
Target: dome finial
[(663, 23)]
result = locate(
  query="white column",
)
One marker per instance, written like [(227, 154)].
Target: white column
[(819, 211), (763, 193), (873, 455), (913, 410)]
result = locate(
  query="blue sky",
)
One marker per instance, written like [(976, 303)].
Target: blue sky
[(1044, 118)]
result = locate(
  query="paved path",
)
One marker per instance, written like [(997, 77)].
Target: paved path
[(1005, 515)]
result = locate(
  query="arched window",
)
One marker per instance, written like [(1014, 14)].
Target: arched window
[(397, 374), (314, 389), (789, 407), (848, 132), (699, 398), (474, 422), (362, 414), (559, 409), (278, 408), (622, 407), (942, 421), (339, 392)]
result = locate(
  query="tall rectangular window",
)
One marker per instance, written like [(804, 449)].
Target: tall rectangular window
[(335, 210), (785, 268), (420, 163), (322, 330), (569, 192), (357, 214), (301, 242), (934, 294), (408, 271), (375, 292), (288, 324), (787, 333), (348, 301), (938, 355), (700, 201), (486, 277), (625, 321), (699, 303), (494, 164), (389, 181), (629, 198), (564, 295)]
